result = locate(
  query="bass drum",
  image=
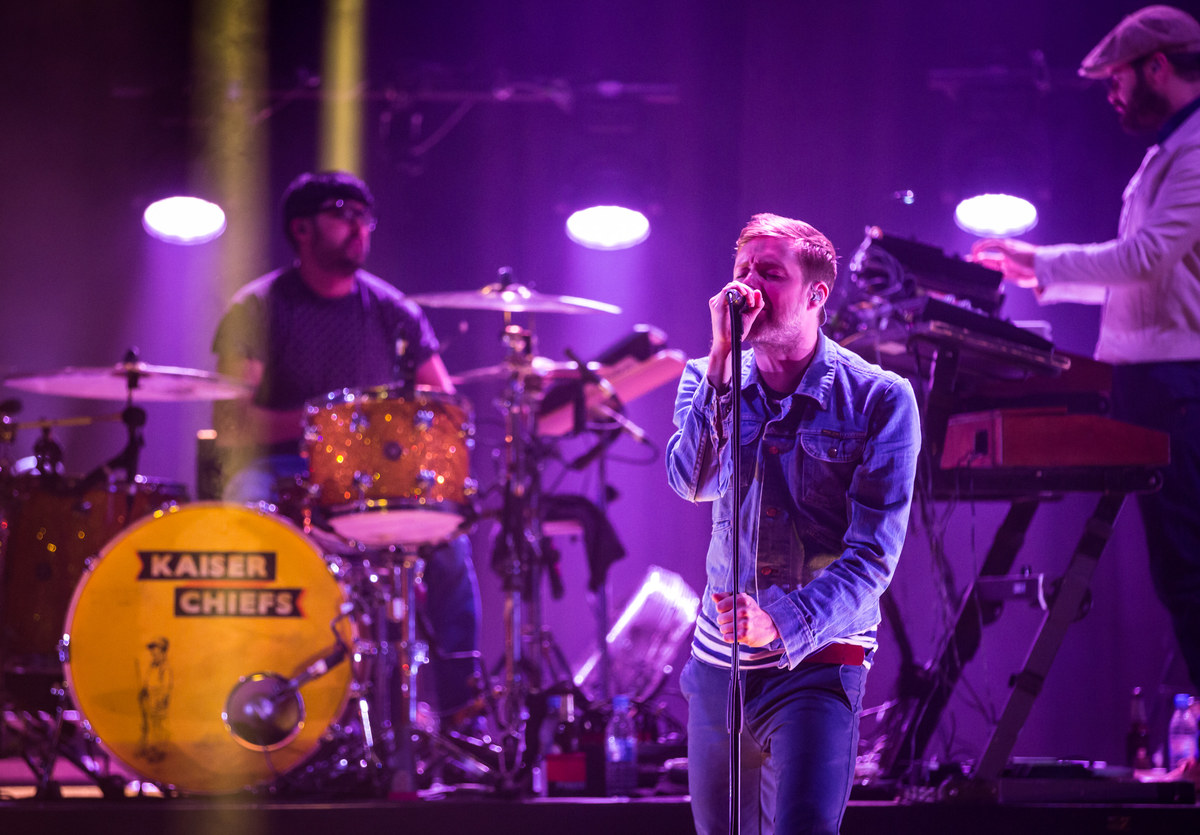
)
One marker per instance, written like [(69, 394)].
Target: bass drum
[(196, 648)]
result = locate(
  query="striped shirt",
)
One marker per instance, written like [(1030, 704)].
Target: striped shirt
[(707, 646)]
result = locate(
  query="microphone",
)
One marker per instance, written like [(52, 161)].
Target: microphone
[(590, 376), (613, 414), (635, 431), (735, 299)]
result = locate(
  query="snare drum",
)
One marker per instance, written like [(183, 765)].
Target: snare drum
[(51, 526), (390, 466), (183, 636)]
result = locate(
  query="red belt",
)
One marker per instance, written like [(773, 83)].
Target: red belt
[(851, 655)]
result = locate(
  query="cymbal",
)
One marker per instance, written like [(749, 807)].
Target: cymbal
[(155, 383), (52, 423), (543, 367), (513, 298)]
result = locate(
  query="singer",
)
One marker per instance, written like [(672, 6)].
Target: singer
[(321, 325), (829, 448)]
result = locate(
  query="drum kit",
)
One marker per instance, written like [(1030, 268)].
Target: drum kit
[(213, 648)]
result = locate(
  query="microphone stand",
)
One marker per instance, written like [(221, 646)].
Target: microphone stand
[(735, 690)]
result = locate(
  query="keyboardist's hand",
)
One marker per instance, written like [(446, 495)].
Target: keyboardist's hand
[(1014, 259)]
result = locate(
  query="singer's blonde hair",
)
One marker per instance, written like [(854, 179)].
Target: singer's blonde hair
[(815, 253)]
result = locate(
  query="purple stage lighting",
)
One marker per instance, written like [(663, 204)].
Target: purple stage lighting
[(995, 215), (184, 220), (608, 227)]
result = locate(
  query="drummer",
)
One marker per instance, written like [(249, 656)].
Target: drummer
[(318, 326)]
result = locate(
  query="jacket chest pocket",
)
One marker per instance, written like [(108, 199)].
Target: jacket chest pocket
[(752, 430), (830, 459)]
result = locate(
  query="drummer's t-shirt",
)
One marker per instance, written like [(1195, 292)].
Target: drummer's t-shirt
[(311, 346)]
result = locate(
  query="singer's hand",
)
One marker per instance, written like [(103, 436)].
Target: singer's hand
[(718, 308), (754, 626), (719, 372)]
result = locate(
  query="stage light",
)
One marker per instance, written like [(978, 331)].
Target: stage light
[(995, 215), (609, 198), (184, 220), (608, 227)]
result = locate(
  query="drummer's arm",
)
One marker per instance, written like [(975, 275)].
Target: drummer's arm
[(240, 423), (433, 373)]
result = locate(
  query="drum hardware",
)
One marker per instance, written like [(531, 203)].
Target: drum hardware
[(402, 743), (568, 404), (397, 659), (54, 423), (52, 527), (127, 460), (48, 454), (524, 558), (43, 737), (8, 432), (521, 552), (265, 711)]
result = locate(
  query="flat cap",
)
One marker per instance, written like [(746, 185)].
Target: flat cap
[(1151, 29)]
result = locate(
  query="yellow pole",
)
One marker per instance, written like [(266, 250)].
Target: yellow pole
[(232, 164), (342, 85)]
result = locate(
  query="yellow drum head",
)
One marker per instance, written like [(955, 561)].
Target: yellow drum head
[(188, 608)]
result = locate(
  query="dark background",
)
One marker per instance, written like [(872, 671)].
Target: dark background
[(823, 111)]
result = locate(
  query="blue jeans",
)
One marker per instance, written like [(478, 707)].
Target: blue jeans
[(1166, 396), (451, 588), (799, 741)]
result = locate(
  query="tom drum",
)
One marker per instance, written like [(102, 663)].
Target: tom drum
[(390, 466)]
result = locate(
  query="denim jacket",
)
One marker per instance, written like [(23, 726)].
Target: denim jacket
[(845, 447)]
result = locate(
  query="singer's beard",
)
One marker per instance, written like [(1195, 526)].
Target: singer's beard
[(766, 335)]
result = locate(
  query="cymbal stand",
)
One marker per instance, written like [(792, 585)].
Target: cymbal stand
[(8, 433), (134, 418), (517, 554), (602, 624)]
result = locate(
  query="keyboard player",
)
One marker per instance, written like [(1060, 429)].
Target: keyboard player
[(1148, 281)]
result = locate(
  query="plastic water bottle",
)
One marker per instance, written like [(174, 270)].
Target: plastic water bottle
[(1181, 733), (540, 772), (620, 750)]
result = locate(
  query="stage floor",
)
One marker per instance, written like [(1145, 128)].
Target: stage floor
[(82, 810)]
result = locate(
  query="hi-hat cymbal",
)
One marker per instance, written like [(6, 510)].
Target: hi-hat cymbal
[(137, 380), (513, 298)]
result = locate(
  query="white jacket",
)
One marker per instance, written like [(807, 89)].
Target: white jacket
[(1148, 279)]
